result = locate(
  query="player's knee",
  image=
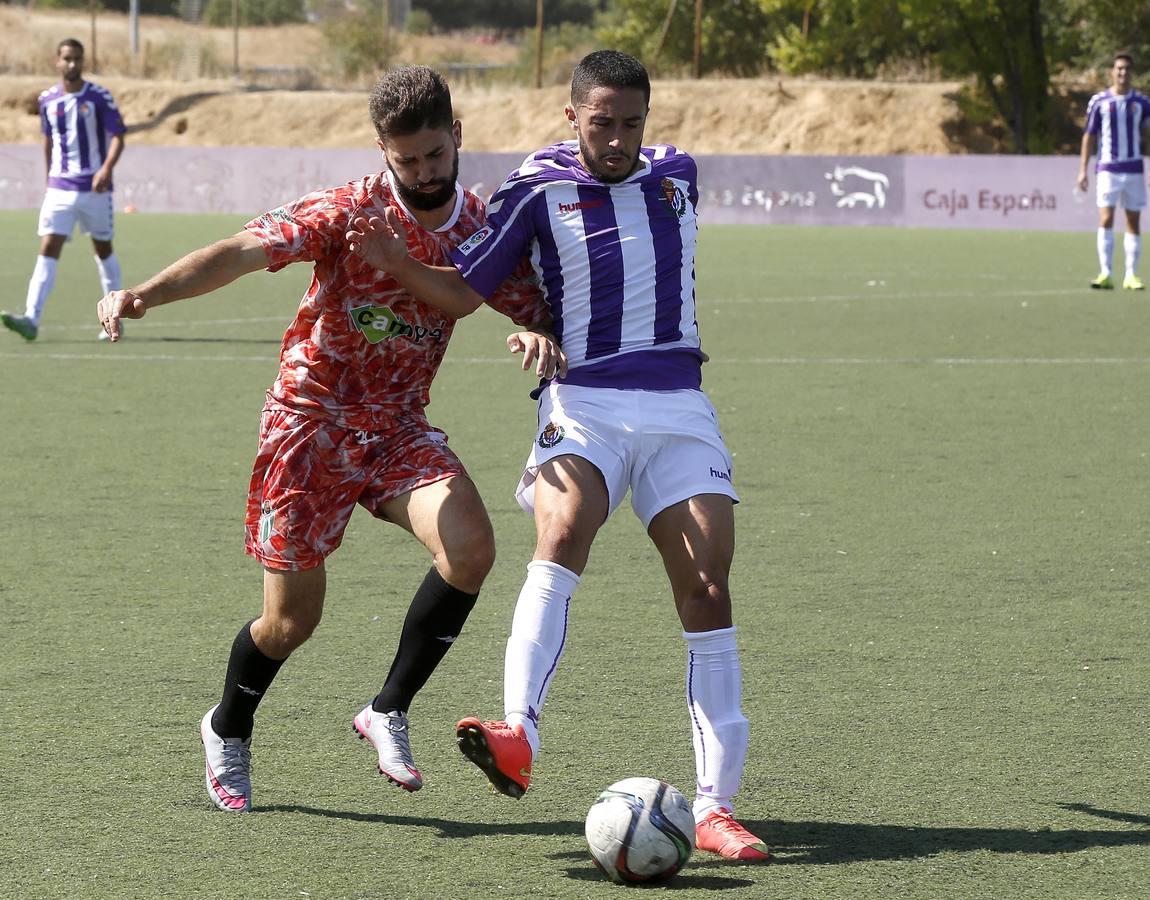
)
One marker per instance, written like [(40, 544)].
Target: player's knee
[(290, 631), (465, 564), (704, 606)]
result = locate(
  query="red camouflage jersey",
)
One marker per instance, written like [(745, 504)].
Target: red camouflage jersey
[(362, 349)]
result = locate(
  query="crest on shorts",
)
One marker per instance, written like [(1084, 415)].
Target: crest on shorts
[(674, 196), (550, 436), (267, 522)]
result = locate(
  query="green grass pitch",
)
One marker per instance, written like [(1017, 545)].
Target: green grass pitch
[(941, 440)]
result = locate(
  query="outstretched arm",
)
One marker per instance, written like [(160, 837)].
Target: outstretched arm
[(200, 272), (383, 244)]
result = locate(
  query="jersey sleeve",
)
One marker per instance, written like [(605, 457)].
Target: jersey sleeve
[(491, 254), (45, 125), (1093, 117), (519, 297), (304, 230), (110, 116)]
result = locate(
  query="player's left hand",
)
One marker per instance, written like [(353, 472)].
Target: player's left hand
[(540, 348)]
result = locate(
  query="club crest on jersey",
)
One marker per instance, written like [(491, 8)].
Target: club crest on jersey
[(476, 239), (550, 436), (85, 109), (675, 197)]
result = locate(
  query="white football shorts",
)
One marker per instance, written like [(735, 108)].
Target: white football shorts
[(63, 209), (663, 445), (1125, 189)]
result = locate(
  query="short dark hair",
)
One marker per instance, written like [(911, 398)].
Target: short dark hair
[(70, 42), (608, 68), (409, 99), (1126, 56)]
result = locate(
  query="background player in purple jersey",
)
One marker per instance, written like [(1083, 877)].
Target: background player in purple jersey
[(610, 228), (1114, 122), (83, 140)]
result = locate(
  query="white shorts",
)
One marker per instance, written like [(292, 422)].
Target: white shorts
[(1125, 189), (663, 445), (63, 209)]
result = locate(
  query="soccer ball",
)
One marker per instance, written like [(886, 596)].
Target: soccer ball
[(640, 830)]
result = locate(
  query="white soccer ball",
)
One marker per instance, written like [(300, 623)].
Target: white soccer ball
[(640, 830)]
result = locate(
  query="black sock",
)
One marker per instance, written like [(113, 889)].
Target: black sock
[(433, 622), (250, 673)]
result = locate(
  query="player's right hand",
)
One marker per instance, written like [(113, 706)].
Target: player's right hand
[(118, 305), (379, 242)]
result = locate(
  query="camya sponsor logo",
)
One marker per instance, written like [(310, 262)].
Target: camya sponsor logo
[(379, 323)]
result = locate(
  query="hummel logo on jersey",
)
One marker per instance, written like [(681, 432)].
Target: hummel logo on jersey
[(476, 239), (378, 323), (718, 473), (565, 208)]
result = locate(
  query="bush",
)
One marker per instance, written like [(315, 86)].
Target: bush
[(255, 12)]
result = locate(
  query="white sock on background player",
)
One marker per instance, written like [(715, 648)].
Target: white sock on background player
[(109, 269), (1105, 249), (39, 287), (1132, 247)]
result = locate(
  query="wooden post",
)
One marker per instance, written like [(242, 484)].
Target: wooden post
[(538, 43), (95, 61), (235, 37), (698, 67), (386, 4)]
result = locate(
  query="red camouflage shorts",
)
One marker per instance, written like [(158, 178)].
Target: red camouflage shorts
[(309, 475)]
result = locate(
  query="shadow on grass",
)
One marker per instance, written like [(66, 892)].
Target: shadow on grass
[(808, 843), (445, 827), (830, 843)]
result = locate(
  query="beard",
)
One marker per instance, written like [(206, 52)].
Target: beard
[(600, 172), (416, 198)]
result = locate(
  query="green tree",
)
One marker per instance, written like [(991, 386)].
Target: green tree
[(255, 12), (733, 34), (1001, 43)]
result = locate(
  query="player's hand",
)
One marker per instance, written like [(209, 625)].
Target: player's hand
[(540, 348), (101, 181), (379, 242), (116, 306), (1083, 182)]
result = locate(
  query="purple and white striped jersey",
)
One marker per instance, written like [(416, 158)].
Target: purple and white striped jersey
[(1118, 120), (616, 263), (80, 126)]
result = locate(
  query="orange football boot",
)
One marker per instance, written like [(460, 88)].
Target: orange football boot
[(500, 750), (721, 834)]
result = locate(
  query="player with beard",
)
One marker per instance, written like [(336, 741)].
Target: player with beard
[(609, 225), (344, 421)]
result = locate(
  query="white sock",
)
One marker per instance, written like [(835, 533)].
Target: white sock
[(109, 273), (719, 730), (1132, 247), (39, 287), (1105, 249), (538, 635)]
